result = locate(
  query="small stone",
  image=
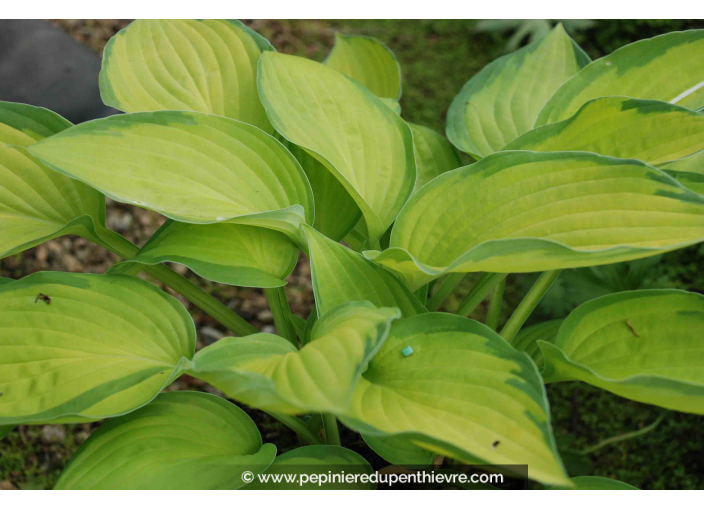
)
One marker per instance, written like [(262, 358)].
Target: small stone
[(407, 351), (210, 333), (53, 434), (265, 316), (268, 329), (6, 485)]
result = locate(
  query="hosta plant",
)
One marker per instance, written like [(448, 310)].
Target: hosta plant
[(255, 156)]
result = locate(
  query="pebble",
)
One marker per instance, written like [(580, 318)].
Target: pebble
[(53, 433)]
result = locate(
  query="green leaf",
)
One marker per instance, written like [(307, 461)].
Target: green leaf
[(689, 171), (207, 66), (267, 372), (502, 101), (527, 338), (341, 275), (36, 203), (667, 67), (434, 154), (393, 105), (22, 124), (644, 345), (463, 392), (347, 128), (321, 460), (82, 347), (367, 61), (336, 212), (399, 451), (182, 440), (654, 132), (5, 430), (189, 166), (530, 211), (223, 252), (597, 483)]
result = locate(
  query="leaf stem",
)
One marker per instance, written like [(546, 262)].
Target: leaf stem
[(497, 299), (280, 310), (528, 304), (210, 305), (479, 292), (297, 426), (627, 435), (444, 290), (332, 434)]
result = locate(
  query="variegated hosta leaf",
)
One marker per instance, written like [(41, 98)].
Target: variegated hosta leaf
[(36, 203), (222, 252), (527, 338), (434, 154), (597, 483), (207, 66), (319, 460), (502, 101), (181, 440), (667, 67), (189, 166), (267, 372), (652, 131), (689, 171), (339, 122), (392, 104), (455, 387), (336, 212), (22, 124), (80, 347), (341, 275), (367, 61), (538, 211), (644, 345)]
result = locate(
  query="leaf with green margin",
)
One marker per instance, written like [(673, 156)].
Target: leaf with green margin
[(689, 171), (462, 389), (336, 212), (434, 154), (654, 132), (399, 451), (667, 67), (341, 275), (100, 346), (596, 483), (393, 105), (347, 128), (189, 166), (208, 66), (502, 101), (241, 255), (36, 203), (316, 460), (521, 211), (182, 440), (267, 372), (23, 124), (527, 338), (644, 345), (367, 61), (4, 280)]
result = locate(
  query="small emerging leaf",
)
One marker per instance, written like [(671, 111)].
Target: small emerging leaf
[(434, 154), (181, 440)]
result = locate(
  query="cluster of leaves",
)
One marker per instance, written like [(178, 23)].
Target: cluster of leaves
[(254, 155)]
